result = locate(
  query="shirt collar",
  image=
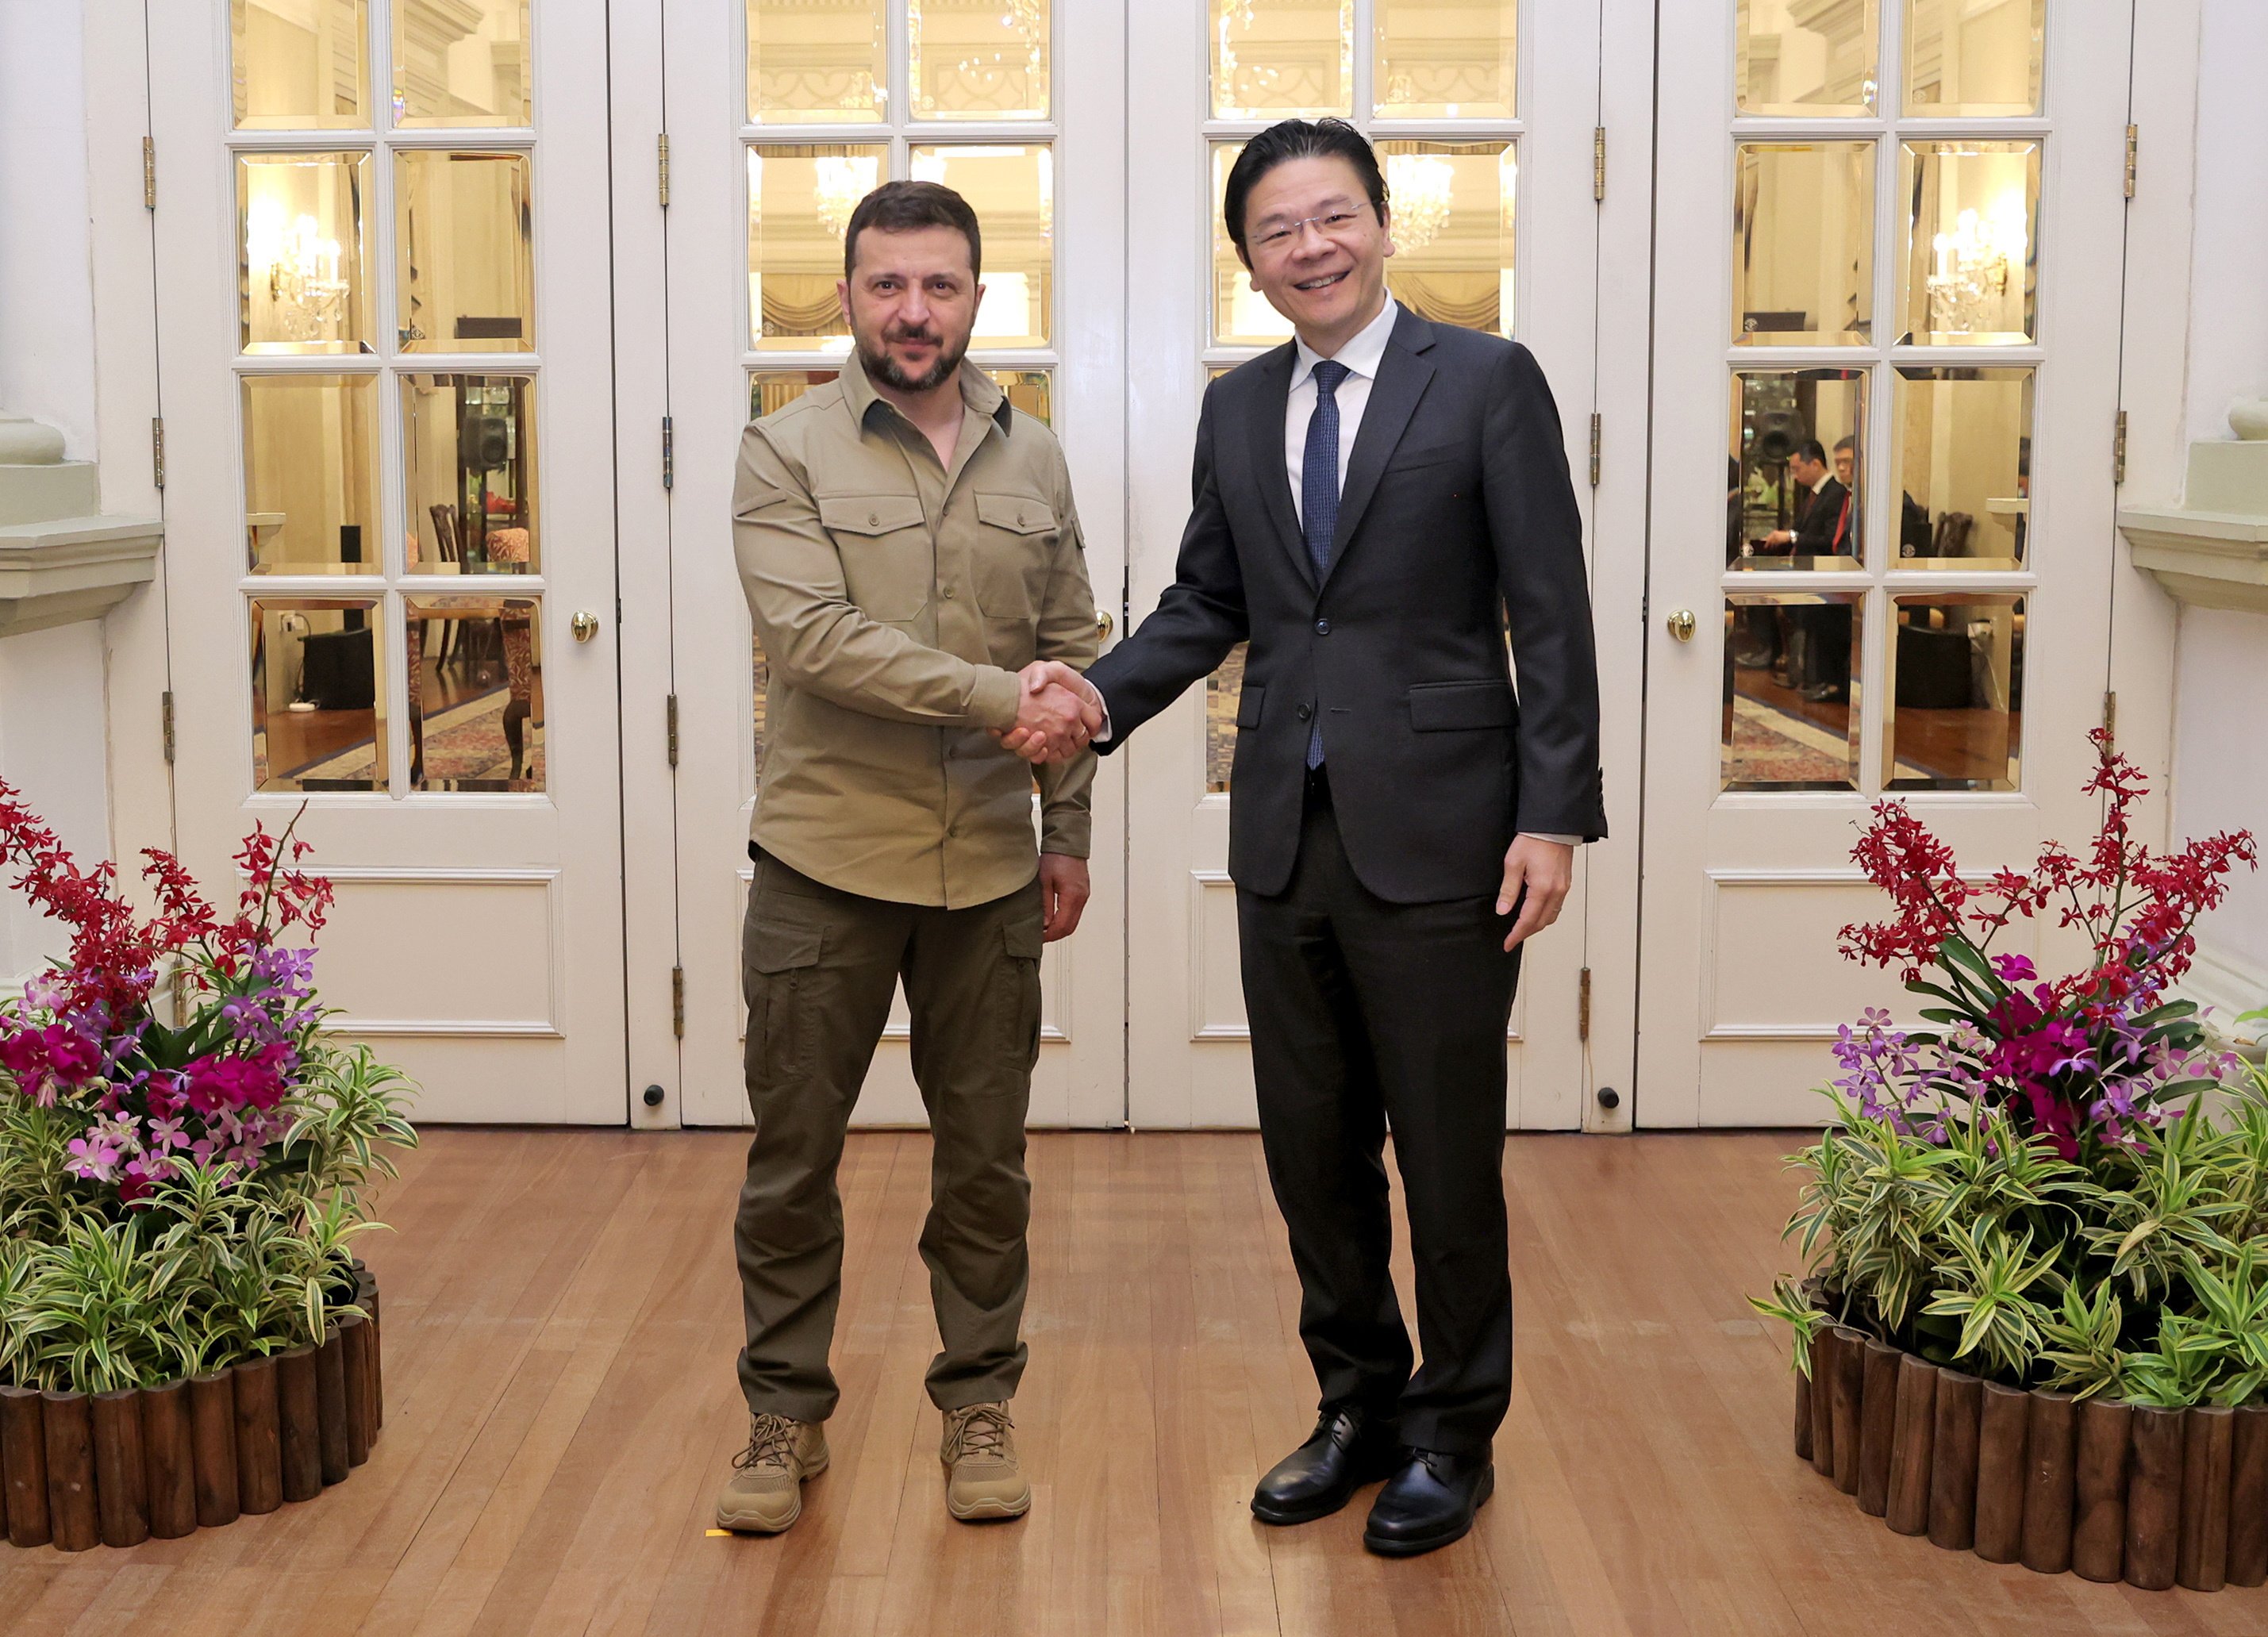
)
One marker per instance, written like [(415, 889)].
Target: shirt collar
[(1362, 355), (978, 391), (1822, 483)]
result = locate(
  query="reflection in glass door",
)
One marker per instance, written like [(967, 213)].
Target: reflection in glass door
[(1913, 360), (382, 393)]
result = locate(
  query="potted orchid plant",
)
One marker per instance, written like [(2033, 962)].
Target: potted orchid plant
[(184, 1153), (2055, 1184)]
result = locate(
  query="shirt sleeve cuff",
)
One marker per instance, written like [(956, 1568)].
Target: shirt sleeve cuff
[(992, 701), (1564, 841)]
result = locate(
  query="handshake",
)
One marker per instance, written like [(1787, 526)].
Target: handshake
[(1058, 712)]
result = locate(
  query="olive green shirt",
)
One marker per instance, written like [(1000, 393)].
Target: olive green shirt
[(896, 600)]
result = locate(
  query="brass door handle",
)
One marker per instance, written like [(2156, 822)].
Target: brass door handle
[(585, 625), (1104, 625), (1683, 624)]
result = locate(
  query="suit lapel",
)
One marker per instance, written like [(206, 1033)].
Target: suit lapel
[(1267, 431), (1402, 375)]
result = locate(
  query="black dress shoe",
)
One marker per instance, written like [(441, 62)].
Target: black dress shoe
[(1346, 1450), (1429, 1502)]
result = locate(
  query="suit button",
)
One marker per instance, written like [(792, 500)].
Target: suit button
[(1305, 711), (1322, 628)]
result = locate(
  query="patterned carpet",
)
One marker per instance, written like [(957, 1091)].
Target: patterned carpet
[(465, 750)]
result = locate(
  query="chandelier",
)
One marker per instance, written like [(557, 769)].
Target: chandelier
[(1419, 185), (842, 181), (306, 295), (1969, 284)]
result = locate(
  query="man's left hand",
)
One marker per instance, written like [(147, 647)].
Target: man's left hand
[(1544, 870), (1063, 895)]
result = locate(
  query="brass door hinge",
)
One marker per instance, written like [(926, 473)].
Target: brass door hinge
[(2118, 451), (1583, 1004), (1599, 163), (677, 1001), (148, 173), (2133, 155), (158, 450), (1594, 448), (668, 453), (661, 155), (673, 730), (166, 722)]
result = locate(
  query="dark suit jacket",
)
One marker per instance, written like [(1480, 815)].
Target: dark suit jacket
[(1456, 520), (1815, 530)]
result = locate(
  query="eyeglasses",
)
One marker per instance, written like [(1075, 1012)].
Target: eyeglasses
[(1331, 225)]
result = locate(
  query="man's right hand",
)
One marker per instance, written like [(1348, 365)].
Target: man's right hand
[(1058, 711)]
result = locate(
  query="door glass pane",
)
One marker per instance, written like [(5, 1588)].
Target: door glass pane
[(816, 62), (1444, 59), (461, 62), (1964, 468), (300, 65), (1809, 57), (1224, 690), (1797, 498), (1029, 390), (1273, 59), (1970, 269), (1957, 693), (1011, 190), (1242, 316), (305, 279), (464, 258), (468, 474), (800, 204), (310, 473), (1803, 244), (1973, 60), (1792, 671), (978, 59), (1452, 206), (475, 676), (318, 714)]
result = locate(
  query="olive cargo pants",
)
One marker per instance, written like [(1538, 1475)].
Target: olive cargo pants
[(819, 966)]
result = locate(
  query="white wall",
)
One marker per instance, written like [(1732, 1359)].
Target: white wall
[(51, 744), (2221, 746), (47, 285)]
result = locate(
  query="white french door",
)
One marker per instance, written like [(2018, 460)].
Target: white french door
[(1898, 232), (383, 339), (1484, 115), (780, 116)]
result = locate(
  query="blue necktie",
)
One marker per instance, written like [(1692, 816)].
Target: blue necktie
[(1319, 496)]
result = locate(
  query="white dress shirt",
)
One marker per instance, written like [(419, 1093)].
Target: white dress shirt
[(1361, 355)]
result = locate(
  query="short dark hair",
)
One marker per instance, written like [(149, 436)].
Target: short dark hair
[(1297, 139), (1851, 444), (1812, 450), (901, 207)]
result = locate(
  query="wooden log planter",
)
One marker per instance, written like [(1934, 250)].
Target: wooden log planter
[(2108, 1491), (79, 1469)]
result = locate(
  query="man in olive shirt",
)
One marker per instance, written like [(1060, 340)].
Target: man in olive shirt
[(909, 550)]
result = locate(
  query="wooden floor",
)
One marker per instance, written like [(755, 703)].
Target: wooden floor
[(560, 1317)]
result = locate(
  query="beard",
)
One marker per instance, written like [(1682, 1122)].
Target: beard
[(881, 366)]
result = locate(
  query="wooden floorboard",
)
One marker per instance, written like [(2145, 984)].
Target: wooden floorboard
[(560, 1320)]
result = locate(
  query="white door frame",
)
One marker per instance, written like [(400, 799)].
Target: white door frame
[(1703, 1059), (1188, 1059), (1081, 1078), (433, 862)]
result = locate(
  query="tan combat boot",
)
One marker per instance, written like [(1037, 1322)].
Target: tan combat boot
[(982, 1478), (765, 1492)]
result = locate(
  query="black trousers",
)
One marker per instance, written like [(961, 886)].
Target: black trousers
[(1367, 1014)]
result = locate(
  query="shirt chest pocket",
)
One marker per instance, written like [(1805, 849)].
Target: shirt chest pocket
[(1015, 541), (888, 560)]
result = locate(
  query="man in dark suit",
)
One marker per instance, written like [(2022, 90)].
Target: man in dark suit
[(1826, 526), (1824, 522), (1376, 503)]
